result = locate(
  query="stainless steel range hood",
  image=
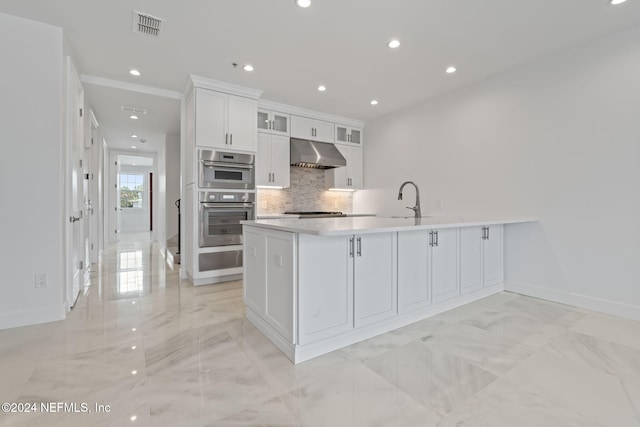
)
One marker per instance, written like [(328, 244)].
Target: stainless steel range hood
[(314, 154)]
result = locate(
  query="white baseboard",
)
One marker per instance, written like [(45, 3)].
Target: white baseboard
[(614, 308), (16, 319)]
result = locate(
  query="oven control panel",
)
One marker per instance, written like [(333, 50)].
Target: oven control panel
[(226, 197)]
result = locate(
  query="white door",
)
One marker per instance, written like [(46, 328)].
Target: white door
[(354, 167), (323, 131), (301, 127), (75, 197)]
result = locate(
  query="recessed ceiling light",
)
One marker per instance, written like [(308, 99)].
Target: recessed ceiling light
[(451, 70), (133, 146), (322, 88), (133, 117), (134, 72), (374, 102), (248, 67), (616, 2), (303, 3), (394, 44), (133, 135), (133, 417)]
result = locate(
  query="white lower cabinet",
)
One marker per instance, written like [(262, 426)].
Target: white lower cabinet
[(414, 289), (313, 294), (269, 278), (427, 268), (375, 273), (345, 282), (325, 287), (481, 257), (443, 264)]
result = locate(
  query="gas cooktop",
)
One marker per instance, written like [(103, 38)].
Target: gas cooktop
[(315, 214)]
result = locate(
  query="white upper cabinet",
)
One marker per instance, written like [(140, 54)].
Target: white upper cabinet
[(307, 128), (348, 177), (348, 135), (225, 121), (273, 122), (272, 161)]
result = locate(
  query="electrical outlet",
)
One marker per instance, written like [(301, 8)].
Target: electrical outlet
[(41, 280)]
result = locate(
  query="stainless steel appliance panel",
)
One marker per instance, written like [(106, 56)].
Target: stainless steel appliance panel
[(220, 216), (219, 260), (217, 169)]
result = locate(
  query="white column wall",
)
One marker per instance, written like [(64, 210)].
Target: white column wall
[(31, 171)]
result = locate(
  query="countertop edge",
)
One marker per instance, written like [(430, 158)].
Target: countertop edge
[(383, 229)]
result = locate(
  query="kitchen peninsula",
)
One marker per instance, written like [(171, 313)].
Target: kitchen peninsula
[(316, 285)]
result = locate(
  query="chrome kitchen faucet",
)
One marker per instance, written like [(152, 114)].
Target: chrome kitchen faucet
[(416, 208)]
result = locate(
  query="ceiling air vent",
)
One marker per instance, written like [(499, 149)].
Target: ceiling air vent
[(146, 24)]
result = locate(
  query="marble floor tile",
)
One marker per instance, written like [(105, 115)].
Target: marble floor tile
[(516, 326), (162, 352), (440, 381), (610, 328), (492, 352), (595, 353), (356, 396), (503, 404), (271, 413), (598, 396)]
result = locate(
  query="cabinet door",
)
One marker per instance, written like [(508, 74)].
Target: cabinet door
[(325, 287), (355, 136), (342, 133), (301, 127), (337, 177), (323, 131), (190, 136), (280, 124), (354, 167), (242, 123), (493, 256), (279, 290), (211, 118), (444, 265), (280, 160), (413, 271), (470, 259), (263, 160), (255, 271), (375, 276), (264, 121)]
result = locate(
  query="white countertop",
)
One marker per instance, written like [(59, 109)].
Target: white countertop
[(368, 224), (282, 216)]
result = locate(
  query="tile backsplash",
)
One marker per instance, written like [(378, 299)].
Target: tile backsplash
[(306, 193)]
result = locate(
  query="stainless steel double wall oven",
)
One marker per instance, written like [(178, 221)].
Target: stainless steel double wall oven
[(226, 196)]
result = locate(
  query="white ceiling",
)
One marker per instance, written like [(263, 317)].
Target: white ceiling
[(135, 160), (339, 43)]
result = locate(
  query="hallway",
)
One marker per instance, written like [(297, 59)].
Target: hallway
[(162, 352)]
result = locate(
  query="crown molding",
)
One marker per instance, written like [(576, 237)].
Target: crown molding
[(265, 104), (217, 85)]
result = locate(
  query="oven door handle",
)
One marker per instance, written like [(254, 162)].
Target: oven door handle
[(207, 163), (226, 205)]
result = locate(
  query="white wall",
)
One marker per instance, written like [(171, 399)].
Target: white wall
[(558, 139), (172, 184), (31, 164)]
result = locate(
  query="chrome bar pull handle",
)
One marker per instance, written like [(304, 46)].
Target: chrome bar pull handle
[(487, 232), (435, 234), (359, 246), (431, 238), (351, 247)]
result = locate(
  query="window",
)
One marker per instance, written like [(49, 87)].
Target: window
[(131, 190)]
